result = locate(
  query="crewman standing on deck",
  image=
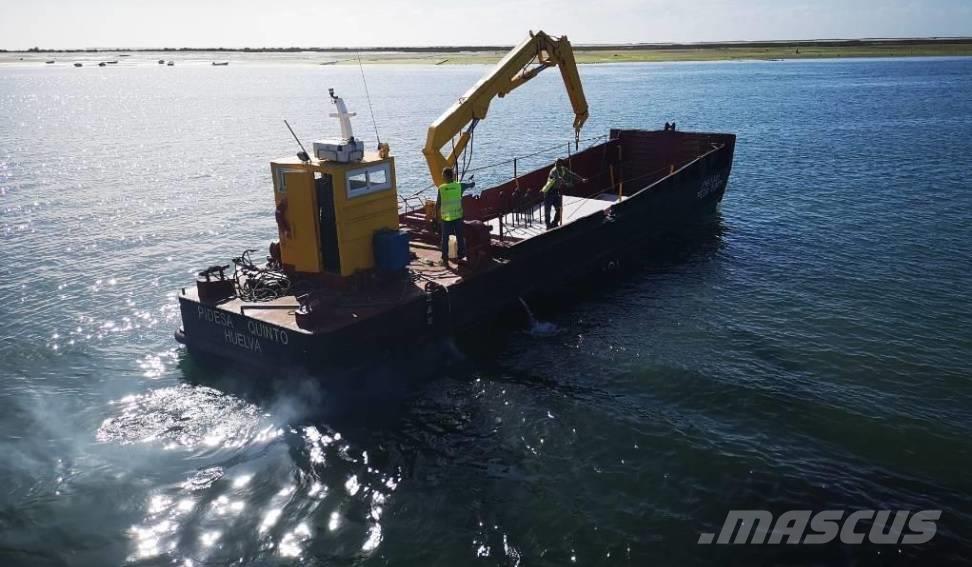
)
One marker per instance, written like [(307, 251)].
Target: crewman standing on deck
[(450, 213), (559, 179)]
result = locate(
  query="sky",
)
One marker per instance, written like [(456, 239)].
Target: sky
[(60, 24)]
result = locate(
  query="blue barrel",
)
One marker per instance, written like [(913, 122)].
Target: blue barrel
[(391, 250)]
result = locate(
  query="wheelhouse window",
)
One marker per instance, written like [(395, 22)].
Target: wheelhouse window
[(281, 174), (369, 180)]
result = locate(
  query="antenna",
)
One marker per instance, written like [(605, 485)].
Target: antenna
[(368, 96), (302, 154)]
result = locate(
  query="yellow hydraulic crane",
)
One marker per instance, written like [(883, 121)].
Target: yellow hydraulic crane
[(511, 72)]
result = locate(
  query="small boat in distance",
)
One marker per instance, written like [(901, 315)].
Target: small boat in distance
[(49, 62), (220, 63), (170, 63), (161, 61), (79, 64), (102, 64), (112, 62)]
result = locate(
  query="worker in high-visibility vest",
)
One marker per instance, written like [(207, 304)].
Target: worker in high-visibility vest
[(450, 212), (559, 179)]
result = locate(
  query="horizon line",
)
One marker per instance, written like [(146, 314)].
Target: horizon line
[(836, 42)]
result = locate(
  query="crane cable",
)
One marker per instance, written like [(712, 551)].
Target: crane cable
[(467, 152), (467, 160)]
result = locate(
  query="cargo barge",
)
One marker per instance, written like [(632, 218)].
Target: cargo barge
[(357, 268)]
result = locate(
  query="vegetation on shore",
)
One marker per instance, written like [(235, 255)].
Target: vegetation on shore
[(701, 53), (584, 53)]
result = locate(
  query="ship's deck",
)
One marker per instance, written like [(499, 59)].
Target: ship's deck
[(530, 224), (347, 306)]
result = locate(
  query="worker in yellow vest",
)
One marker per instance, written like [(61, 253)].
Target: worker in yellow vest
[(450, 212)]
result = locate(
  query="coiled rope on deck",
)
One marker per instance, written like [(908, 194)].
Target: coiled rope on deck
[(256, 284)]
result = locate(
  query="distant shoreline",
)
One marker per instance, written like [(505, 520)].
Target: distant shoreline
[(602, 53), (869, 42)]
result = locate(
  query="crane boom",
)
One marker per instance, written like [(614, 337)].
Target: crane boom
[(511, 72)]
